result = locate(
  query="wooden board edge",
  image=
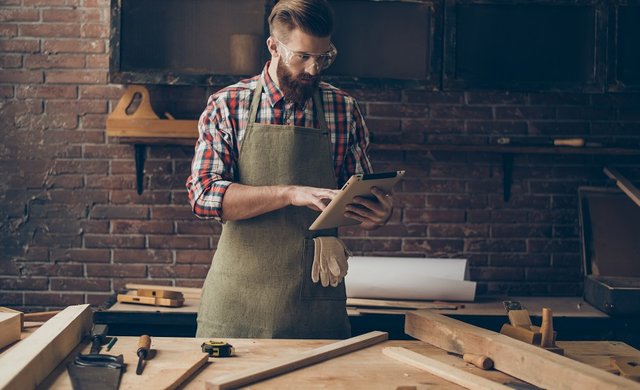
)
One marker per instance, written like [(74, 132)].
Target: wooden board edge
[(443, 370), (32, 360), (187, 374), (187, 292), (10, 328), (526, 362), (290, 363)]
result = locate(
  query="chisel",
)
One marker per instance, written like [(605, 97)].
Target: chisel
[(144, 343), (98, 334)]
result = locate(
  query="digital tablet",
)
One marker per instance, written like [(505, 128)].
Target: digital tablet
[(357, 185)]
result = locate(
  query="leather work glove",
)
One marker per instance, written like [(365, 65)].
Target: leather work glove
[(329, 261)]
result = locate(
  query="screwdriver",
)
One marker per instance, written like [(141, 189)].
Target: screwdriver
[(144, 343)]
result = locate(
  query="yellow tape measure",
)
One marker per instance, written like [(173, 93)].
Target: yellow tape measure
[(217, 348)]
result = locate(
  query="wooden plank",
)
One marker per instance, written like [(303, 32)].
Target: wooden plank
[(10, 328), (527, 362), (187, 292), (443, 370), (624, 184), (399, 304), (303, 359), (29, 362)]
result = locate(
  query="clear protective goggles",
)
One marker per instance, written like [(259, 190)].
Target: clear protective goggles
[(301, 59)]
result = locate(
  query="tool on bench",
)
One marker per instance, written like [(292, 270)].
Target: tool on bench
[(98, 334), (629, 367), (144, 344), (112, 342), (155, 297), (218, 348), (521, 328), (96, 371)]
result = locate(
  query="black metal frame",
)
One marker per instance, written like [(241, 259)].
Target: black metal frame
[(451, 82), (613, 83)]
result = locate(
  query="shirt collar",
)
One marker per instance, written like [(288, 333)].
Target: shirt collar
[(274, 94)]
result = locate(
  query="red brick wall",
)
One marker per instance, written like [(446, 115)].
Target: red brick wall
[(73, 229)]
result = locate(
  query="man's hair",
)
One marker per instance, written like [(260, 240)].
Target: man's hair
[(313, 17)]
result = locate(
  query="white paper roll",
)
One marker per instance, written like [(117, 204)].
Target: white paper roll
[(409, 278)]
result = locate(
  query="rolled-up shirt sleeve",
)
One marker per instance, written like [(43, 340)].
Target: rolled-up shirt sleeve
[(212, 168)]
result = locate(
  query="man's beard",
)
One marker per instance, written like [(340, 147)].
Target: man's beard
[(293, 88)]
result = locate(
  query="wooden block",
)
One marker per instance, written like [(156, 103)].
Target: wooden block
[(526, 362), (126, 298), (159, 293), (520, 318), (479, 361), (8, 310), (10, 328), (300, 360), (443, 370), (187, 292), (26, 364), (522, 334)]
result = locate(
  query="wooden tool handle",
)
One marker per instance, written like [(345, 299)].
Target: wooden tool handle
[(40, 316), (546, 328), (479, 361), (575, 142), (144, 343)]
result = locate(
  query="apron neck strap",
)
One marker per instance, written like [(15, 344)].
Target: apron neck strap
[(255, 104)]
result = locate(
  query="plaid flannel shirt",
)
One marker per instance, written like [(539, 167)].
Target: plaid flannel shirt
[(222, 126)]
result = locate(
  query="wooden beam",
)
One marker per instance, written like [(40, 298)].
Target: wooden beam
[(187, 292), (399, 304), (300, 360), (10, 328), (624, 184), (29, 362), (443, 370), (526, 362)]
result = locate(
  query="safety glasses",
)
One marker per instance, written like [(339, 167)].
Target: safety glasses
[(301, 59)]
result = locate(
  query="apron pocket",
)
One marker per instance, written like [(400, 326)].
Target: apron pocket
[(315, 291)]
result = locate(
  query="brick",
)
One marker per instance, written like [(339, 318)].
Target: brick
[(11, 298), (560, 129), (120, 212), (53, 299), (76, 77), (440, 247), (38, 61), (80, 166), (95, 121), (519, 260), (569, 231), (10, 61), (433, 185), (80, 255), (194, 257), (397, 110), (524, 112), (84, 196), (8, 30), (120, 182), (47, 91), (502, 128), (495, 98), (116, 270), (559, 99), (6, 92), (71, 15), (99, 299), (77, 284), (34, 269), (179, 242), (106, 151), (167, 181), (456, 201), (142, 227), (457, 112), (150, 168), (179, 271), (18, 15), (54, 46), (95, 30), (19, 45), (615, 100), (496, 273), (196, 283), (24, 284), (96, 3), (34, 253), (432, 97), (422, 216), (199, 227), (81, 136), (517, 289), (142, 256), (554, 274), (20, 76), (375, 94), (97, 61), (586, 113), (523, 231), (172, 212), (78, 107), (374, 245), (563, 260), (491, 245), (113, 241), (147, 197), (57, 30), (47, 3), (458, 230), (554, 246), (459, 171), (101, 91)]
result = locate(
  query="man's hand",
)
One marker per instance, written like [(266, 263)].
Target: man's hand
[(311, 197), (372, 213)]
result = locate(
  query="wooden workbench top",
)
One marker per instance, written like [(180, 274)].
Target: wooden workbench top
[(363, 369)]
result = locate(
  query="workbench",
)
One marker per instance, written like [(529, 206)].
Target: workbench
[(574, 319), (364, 369)]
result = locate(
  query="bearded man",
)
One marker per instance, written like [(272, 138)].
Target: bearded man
[(272, 151)]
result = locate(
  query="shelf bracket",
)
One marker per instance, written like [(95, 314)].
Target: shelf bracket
[(507, 175), (140, 152)]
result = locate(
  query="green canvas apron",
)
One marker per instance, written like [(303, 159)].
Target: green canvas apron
[(259, 285)]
